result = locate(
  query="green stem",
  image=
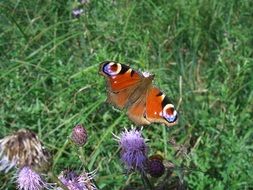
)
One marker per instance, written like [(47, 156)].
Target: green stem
[(146, 181), (81, 155)]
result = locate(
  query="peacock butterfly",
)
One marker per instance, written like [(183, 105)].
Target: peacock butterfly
[(133, 91)]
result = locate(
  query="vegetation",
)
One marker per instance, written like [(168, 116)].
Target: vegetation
[(200, 51)]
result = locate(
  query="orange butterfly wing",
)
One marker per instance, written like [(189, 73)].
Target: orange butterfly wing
[(121, 82), (137, 112), (159, 108)]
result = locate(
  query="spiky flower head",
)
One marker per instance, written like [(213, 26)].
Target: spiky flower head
[(84, 1), (23, 148), (72, 181), (133, 149), (27, 179), (77, 12), (155, 166), (79, 135), (87, 179)]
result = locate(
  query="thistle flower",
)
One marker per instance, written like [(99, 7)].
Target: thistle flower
[(27, 179), (87, 178), (23, 148), (74, 182), (133, 149), (79, 135), (84, 1), (155, 166), (77, 12)]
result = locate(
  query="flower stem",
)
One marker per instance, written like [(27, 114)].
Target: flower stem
[(81, 155), (146, 181)]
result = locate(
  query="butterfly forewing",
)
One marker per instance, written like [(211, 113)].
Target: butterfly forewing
[(122, 81)]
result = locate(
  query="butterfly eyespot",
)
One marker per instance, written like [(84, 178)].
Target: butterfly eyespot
[(112, 68), (169, 113)]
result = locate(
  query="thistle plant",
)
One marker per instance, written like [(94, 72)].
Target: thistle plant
[(68, 177), (24, 151)]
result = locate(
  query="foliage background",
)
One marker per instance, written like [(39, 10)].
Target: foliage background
[(49, 82)]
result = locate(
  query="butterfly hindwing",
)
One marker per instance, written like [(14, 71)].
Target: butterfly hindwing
[(137, 112), (159, 108)]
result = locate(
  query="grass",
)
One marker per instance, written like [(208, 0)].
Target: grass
[(49, 82)]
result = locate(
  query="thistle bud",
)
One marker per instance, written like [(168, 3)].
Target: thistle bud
[(155, 166), (79, 135)]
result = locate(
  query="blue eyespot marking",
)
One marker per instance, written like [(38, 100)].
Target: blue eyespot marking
[(169, 113), (111, 68)]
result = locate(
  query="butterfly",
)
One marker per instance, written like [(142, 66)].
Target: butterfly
[(134, 92)]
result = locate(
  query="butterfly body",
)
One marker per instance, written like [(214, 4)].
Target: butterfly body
[(133, 91)]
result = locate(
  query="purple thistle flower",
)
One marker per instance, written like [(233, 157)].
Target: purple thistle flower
[(74, 182), (133, 149), (77, 12), (86, 179), (84, 1), (27, 179)]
